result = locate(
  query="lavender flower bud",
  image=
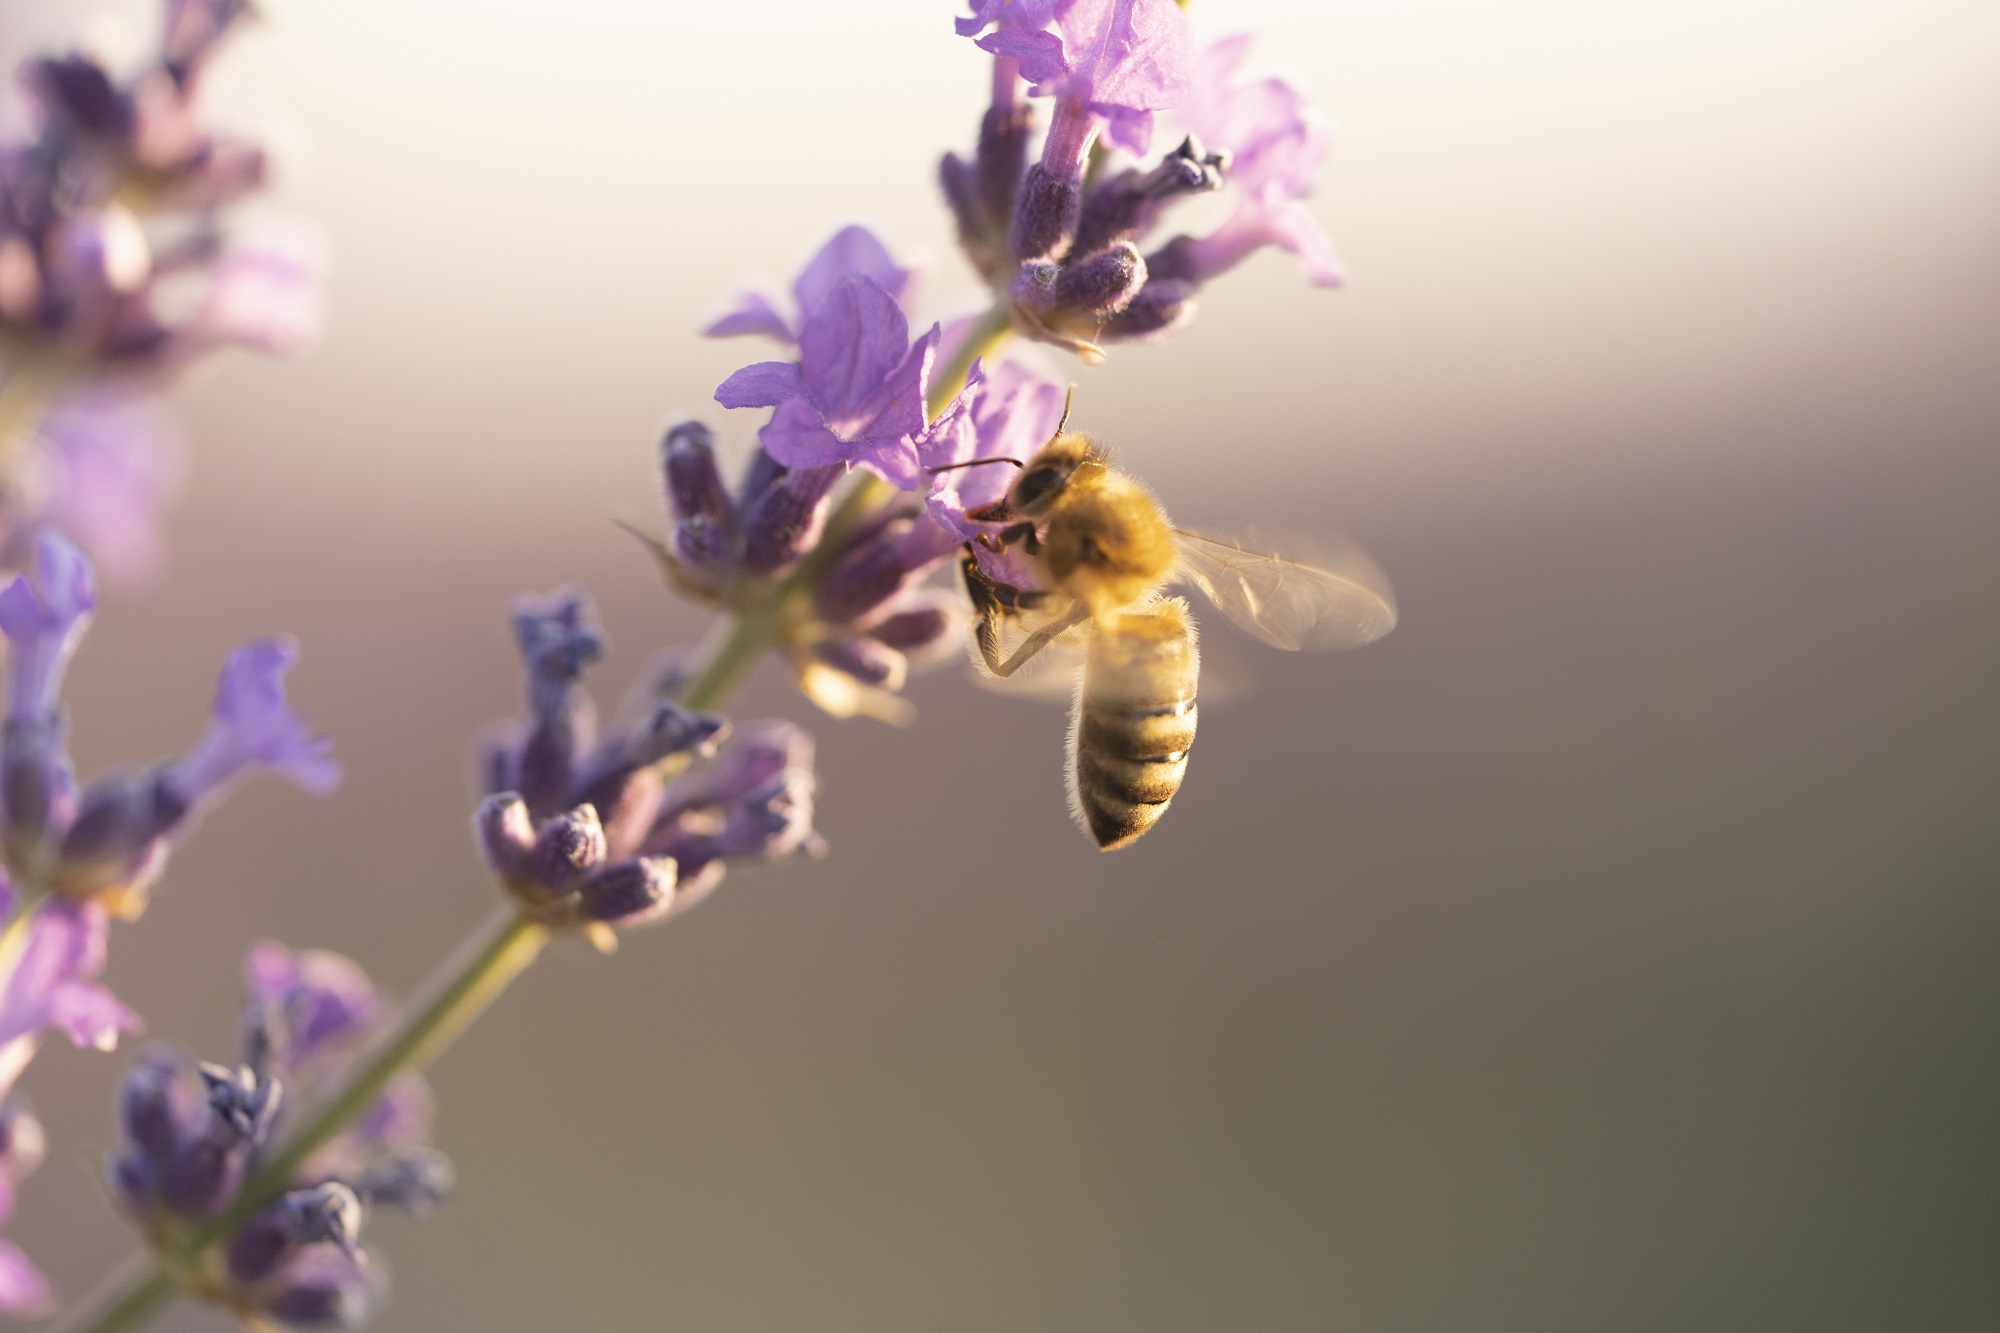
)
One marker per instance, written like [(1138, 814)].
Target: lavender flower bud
[(1034, 285), (705, 547), (240, 1100), (919, 628), (784, 522), (156, 1103), (868, 660), (506, 833), (120, 821), (622, 781), (1103, 283), (762, 474), (569, 847), (305, 1004), (1162, 305), (414, 1180), (694, 482), (316, 1215), (37, 789), (629, 892), (194, 29), (1003, 155), (77, 90), (1045, 215), (896, 551), (558, 639), (22, 1142), (325, 1287), (1128, 204), (962, 194)]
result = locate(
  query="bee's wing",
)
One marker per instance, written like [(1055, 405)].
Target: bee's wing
[(1286, 603)]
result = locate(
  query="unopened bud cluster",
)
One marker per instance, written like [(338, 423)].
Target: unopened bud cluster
[(853, 636), (1059, 233), (191, 1137), (593, 832)]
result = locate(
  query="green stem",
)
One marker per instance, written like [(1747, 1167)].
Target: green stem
[(146, 1287), (474, 976), (989, 332)]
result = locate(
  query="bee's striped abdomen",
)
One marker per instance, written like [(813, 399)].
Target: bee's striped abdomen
[(1134, 722)]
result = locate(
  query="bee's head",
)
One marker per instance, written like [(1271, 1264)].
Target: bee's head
[(1047, 473), (1042, 478)]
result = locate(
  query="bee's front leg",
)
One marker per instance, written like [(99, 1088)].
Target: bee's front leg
[(1023, 533)]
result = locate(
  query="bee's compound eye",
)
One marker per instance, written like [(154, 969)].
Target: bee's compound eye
[(1036, 486)]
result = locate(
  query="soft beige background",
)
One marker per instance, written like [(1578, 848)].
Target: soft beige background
[(1613, 947)]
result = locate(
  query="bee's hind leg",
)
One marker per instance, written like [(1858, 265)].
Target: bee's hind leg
[(1034, 643)]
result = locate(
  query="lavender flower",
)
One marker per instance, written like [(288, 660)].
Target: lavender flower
[(869, 619), (1007, 414), (53, 985), (1115, 62), (755, 802), (1062, 245), (1276, 141), (190, 1138), (856, 393), (603, 856), (853, 251), (116, 262)]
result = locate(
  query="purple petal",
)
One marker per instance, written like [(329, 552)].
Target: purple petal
[(262, 297), (1125, 128), (89, 1015), (114, 461), (324, 997), (852, 251), (765, 384), (50, 985), (1007, 13), (1136, 54), (753, 314), (797, 437), (255, 727), (884, 426), (1040, 55), (849, 345), (23, 1289), (43, 616), (1295, 228)]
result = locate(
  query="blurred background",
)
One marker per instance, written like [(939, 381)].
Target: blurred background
[(1612, 947)]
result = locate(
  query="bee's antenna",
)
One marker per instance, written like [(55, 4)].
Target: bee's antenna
[(1069, 400), (972, 462)]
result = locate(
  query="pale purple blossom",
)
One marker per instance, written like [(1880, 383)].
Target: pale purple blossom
[(856, 393), (43, 614), (1276, 141), (53, 985), (109, 462), (1008, 413), (851, 251), (1118, 60), (254, 727), (1007, 14), (304, 1004)]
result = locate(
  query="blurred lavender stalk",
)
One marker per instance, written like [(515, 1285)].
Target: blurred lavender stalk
[(119, 266)]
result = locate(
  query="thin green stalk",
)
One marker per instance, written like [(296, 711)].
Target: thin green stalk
[(468, 982)]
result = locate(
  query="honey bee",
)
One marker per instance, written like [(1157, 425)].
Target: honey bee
[(1102, 551)]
